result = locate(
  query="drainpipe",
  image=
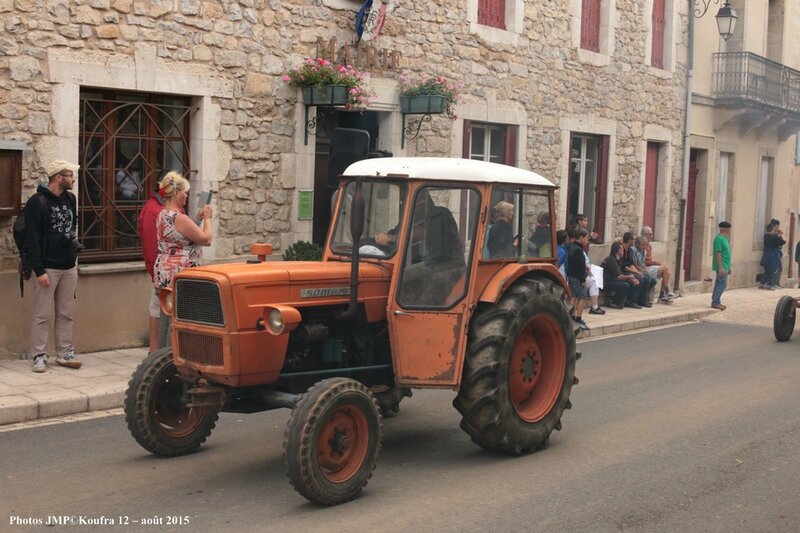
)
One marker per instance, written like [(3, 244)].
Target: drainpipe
[(686, 151)]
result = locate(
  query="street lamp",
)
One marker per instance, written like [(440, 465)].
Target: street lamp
[(726, 22)]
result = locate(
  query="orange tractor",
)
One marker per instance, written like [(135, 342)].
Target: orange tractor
[(419, 287)]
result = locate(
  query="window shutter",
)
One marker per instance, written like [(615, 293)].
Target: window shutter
[(650, 185), (10, 182), (599, 222), (467, 139), (492, 13), (657, 55), (511, 146), (590, 25)]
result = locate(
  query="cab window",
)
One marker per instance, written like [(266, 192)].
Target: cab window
[(383, 207), (440, 242)]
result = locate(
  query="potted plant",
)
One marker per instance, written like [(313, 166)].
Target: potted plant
[(324, 83), (433, 95)]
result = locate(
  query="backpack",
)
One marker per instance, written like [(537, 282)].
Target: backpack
[(25, 269)]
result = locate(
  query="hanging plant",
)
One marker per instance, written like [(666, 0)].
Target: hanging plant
[(326, 83), (448, 93)]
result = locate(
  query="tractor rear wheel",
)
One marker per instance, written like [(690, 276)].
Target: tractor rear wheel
[(519, 369), (332, 441), (156, 410), (783, 321)]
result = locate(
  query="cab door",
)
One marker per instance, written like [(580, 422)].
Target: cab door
[(428, 310)]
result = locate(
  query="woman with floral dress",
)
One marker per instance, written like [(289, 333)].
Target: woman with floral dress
[(180, 239)]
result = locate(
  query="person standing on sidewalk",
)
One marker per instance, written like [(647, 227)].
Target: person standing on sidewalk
[(148, 234), (721, 263), (50, 235)]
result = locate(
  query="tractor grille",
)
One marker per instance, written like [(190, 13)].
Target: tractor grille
[(198, 301), (202, 349)]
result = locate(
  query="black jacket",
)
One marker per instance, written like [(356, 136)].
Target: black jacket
[(47, 233), (576, 262), (611, 268), (501, 240)]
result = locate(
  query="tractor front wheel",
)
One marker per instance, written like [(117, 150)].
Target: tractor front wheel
[(332, 441), (519, 369), (156, 409), (783, 321)]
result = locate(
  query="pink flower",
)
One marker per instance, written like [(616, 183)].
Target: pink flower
[(286, 78)]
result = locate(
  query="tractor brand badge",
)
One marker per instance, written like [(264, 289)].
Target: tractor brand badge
[(327, 291)]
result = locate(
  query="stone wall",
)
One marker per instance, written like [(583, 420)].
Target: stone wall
[(251, 43)]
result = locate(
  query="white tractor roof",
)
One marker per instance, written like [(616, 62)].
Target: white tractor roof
[(445, 168)]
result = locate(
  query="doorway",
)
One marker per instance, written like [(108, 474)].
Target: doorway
[(328, 119), (691, 218)]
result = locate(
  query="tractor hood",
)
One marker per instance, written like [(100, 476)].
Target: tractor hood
[(246, 289), (290, 272)]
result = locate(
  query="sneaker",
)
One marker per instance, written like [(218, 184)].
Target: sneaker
[(40, 363), (665, 300), (632, 305), (597, 311), (769, 287), (613, 305), (646, 304), (582, 325), (671, 295), (719, 306), (69, 361)]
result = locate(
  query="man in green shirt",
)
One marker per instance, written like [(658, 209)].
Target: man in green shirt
[(721, 263)]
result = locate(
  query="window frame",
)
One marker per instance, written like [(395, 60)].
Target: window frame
[(591, 20), (601, 186), (106, 104)]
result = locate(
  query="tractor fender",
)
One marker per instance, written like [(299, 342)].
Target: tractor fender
[(509, 274)]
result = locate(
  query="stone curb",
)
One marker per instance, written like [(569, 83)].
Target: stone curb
[(644, 323)]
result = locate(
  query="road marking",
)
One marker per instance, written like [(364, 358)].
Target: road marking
[(77, 417)]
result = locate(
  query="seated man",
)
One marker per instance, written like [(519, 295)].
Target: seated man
[(624, 286), (638, 255), (656, 269), (630, 262)]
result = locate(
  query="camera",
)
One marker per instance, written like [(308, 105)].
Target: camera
[(71, 241)]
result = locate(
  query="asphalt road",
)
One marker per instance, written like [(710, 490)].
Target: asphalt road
[(693, 428)]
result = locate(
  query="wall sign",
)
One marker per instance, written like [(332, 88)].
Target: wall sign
[(362, 56), (305, 205)]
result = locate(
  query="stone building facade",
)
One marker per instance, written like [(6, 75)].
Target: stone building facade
[(745, 117), (578, 97)]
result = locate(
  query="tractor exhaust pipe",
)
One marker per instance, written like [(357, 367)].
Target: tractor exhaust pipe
[(356, 229)]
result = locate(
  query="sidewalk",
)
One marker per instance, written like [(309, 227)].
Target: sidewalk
[(102, 381)]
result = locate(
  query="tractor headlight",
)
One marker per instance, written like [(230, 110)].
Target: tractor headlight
[(167, 298), (279, 319), (276, 323)]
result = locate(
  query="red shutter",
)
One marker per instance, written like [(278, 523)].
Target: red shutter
[(650, 185), (598, 224), (510, 157), (492, 13), (590, 25), (467, 139), (657, 55)]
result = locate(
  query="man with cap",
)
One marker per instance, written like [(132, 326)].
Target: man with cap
[(50, 237), (721, 263)]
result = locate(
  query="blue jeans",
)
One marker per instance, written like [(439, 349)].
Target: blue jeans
[(720, 284)]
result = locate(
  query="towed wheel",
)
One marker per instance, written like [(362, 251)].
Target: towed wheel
[(783, 321), (332, 441), (156, 409), (519, 369)]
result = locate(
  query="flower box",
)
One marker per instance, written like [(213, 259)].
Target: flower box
[(422, 104), (325, 95)]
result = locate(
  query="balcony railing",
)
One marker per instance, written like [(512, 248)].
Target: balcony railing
[(744, 77)]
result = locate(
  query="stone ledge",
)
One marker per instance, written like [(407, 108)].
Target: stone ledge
[(111, 268)]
